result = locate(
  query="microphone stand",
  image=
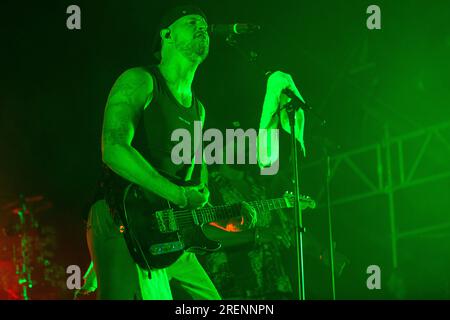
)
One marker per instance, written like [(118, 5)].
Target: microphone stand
[(291, 107), (330, 228)]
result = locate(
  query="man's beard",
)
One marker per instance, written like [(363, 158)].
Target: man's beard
[(195, 50)]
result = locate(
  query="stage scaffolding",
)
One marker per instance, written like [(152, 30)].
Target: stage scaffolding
[(396, 169)]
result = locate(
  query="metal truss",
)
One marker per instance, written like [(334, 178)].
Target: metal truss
[(392, 172)]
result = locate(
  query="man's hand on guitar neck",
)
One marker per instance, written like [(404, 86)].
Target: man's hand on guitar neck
[(246, 221), (249, 217)]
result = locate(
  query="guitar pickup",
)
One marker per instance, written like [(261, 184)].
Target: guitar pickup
[(166, 221), (163, 248)]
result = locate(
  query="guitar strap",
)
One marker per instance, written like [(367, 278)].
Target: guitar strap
[(134, 247)]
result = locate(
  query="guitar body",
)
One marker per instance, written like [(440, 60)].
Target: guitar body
[(157, 235), (148, 220)]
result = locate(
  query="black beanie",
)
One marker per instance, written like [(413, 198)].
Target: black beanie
[(170, 17)]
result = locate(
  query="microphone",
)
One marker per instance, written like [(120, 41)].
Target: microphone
[(298, 101), (236, 28)]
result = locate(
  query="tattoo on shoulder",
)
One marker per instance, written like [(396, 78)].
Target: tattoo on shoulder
[(113, 136), (123, 108), (127, 87)]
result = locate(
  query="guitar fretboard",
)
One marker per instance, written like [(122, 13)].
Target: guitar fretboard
[(210, 214)]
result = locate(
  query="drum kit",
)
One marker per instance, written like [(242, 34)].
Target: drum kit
[(20, 244)]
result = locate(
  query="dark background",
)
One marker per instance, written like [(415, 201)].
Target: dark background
[(55, 83)]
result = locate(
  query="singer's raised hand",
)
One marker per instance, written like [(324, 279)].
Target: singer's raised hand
[(278, 81), (275, 98)]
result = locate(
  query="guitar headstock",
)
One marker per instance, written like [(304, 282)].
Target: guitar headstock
[(305, 201)]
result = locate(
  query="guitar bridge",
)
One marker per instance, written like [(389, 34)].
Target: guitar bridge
[(166, 221)]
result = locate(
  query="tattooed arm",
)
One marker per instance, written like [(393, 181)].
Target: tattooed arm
[(130, 95)]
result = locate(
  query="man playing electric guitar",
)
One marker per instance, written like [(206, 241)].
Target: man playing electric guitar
[(145, 105)]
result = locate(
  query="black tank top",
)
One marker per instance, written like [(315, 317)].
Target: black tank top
[(159, 120), (152, 140)]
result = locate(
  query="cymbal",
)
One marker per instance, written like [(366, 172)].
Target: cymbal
[(17, 204), (39, 209)]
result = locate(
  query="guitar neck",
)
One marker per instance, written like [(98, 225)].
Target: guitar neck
[(224, 212)]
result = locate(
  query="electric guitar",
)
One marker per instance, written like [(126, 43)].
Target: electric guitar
[(157, 234)]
